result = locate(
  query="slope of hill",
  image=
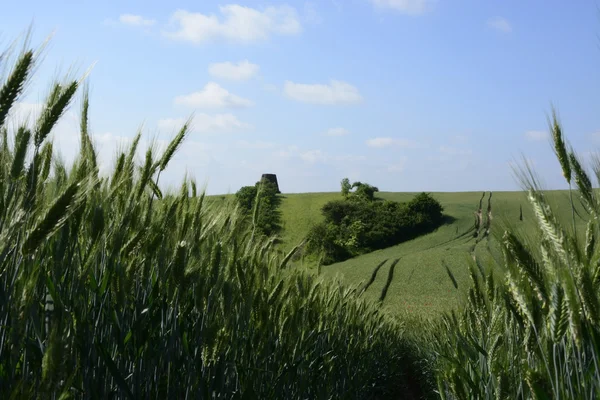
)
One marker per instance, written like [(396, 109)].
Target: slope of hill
[(420, 284)]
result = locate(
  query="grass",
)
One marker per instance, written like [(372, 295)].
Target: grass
[(421, 286), (300, 211)]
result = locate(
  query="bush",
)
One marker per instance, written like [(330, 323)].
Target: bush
[(427, 212), (263, 195), (346, 187), (364, 191), (246, 197), (360, 223)]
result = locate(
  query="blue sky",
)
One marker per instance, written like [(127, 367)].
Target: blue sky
[(408, 95)]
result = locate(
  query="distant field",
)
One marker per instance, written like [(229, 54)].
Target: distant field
[(420, 284)]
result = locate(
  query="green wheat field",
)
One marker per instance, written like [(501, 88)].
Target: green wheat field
[(112, 288), (420, 286)]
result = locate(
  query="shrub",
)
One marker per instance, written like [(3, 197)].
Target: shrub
[(360, 224), (364, 191), (427, 212), (246, 197), (346, 187), (262, 198)]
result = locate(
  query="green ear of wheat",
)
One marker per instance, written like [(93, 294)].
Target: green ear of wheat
[(14, 85)]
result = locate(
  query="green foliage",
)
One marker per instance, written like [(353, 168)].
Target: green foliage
[(246, 197), (360, 224), (426, 211), (346, 187), (261, 202), (105, 293), (364, 191), (535, 333)]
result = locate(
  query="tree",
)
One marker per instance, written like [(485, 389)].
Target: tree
[(346, 187), (364, 191), (264, 196), (246, 196)]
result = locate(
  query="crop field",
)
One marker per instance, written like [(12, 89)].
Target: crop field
[(112, 286), (420, 285)]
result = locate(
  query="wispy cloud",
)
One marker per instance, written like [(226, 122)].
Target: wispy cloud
[(455, 151), (213, 96), (399, 167), (410, 7), (500, 24), (336, 92), (270, 87), (313, 156), (536, 136), (236, 24), (205, 123), (337, 132), (381, 142), (595, 136), (311, 15), (319, 156), (240, 71), (258, 145), (135, 20)]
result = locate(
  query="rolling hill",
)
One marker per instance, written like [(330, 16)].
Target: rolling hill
[(420, 284)]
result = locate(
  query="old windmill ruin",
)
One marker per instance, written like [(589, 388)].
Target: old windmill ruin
[(271, 178)]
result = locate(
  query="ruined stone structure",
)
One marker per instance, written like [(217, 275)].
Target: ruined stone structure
[(271, 178)]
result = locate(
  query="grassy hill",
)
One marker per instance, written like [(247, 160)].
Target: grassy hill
[(420, 284)]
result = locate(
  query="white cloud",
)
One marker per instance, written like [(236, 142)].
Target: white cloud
[(240, 71), (338, 5), (319, 156), (595, 136), (337, 132), (460, 138), (380, 142), (311, 15), (348, 157), (337, 92), (286, 153), (259, 145), (269, 87), (536, 136), (410, 7), (213, 96), (399, 167), (135, 20), (455, 151), (205, 123), (238, 24), (500, 24), (313, 156)]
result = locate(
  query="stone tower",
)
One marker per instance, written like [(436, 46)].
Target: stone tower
[(271, 178)]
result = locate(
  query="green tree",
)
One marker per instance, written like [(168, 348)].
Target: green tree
[(364, 191), (346, 187), (245, 197), (261, 203)]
